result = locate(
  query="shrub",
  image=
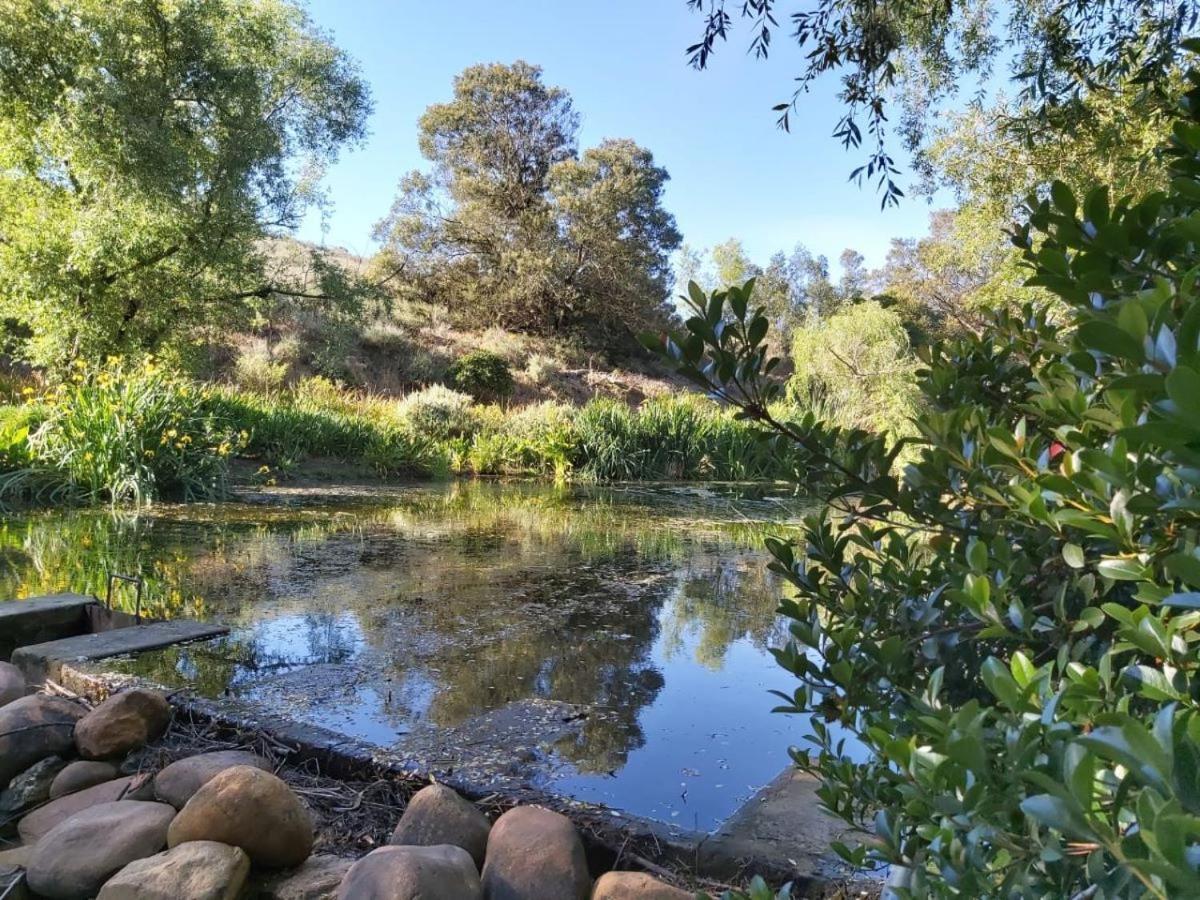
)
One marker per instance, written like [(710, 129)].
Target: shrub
[(439, 412), (133, 434), (254, 371), (482, 374), (1010, 629)]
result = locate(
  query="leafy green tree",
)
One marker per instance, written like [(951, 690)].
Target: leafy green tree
[(1010, 626), (926, 55), (512, 222), (146, 151)]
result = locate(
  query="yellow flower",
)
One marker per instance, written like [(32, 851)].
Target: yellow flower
[(263, 470), (27, 391)]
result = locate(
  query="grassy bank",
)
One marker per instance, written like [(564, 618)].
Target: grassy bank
[(124, 434)]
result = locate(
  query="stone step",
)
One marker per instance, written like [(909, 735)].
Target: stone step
[(42, 661), (39, 619)]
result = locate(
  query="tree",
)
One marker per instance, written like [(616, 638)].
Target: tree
[(513, 223), (1009, 626), (926, 54), (146, 151)]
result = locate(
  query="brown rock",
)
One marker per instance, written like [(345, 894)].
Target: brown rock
[(412, 873), (252, 809), (317, 879), (44, 818), (635, 886), (81, 774), (33, 728), (438, 815), (31, 787), (197, 870), (77, 856), (176, 783), (123, 722), (12, 683), (535, 854)]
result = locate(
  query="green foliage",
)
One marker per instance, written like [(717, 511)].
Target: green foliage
[(515, 224), (439, 412), (147, 149), (482, 374), (857, 367), (1011, 629), (120, 434)]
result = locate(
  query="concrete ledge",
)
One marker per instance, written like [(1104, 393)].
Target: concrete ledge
[(41, 661), (40, 619)]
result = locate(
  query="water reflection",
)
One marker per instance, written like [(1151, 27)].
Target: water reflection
[(610, 642)]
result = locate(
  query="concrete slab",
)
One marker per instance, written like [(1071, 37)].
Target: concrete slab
[(45, 660), (39, 619)]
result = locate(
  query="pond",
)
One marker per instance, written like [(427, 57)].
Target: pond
[(607, 643)]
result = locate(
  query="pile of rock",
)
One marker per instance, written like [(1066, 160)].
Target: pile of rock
[(222, 825)]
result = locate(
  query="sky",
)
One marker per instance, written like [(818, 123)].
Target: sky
[(733, 173)]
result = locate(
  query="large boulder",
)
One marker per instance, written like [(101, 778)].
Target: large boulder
[(74, 859), (316, 879), (438, 815), (412, 873), (12, 683), (535, 854), (80, 775), (252, 809), (123, 722), (197, 870), (32, 728), (44, 818), (635, 886), (176, 783), (31, 787)]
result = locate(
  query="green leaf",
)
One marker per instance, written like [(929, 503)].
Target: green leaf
[(1073, 555), (1122, 569), (1110, 340)]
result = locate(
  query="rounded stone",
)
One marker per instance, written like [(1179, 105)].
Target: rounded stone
[(535, 854), (31, 787), (438, 815), (635, 886), (412, 873), (317, 879), (80, 775), (197, 870), (74, 859), (45, 818), (12, 683), (176, 783), (248, 808), (32, 728), (123, 722)]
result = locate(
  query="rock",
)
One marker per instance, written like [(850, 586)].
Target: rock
[(177, 782), (438, 815), (31, 787), (317, 879), (123, 722), (33, 728), (197, 870), (12, 683), (412, 873), (81, 774), (77, 856), (16, 857), (635, 886), (44, 818), (535, 854), (252, 809)]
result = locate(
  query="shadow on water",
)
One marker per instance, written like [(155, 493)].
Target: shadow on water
[(609, 643)]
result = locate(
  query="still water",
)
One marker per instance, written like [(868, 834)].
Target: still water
[(608, 643)]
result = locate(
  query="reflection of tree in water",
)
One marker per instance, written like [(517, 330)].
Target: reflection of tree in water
[(726, 596)]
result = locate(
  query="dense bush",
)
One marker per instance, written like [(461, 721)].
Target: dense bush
[(133, 434), (440, 413), (484, 375), (1010, 629)]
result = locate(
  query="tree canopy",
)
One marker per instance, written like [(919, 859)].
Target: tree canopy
[(513, 222), (919, 55), (146, 151)]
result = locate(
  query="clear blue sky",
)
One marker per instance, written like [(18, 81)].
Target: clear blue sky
[(733, 173)]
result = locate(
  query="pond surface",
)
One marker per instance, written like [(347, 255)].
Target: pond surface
[(605, 643)]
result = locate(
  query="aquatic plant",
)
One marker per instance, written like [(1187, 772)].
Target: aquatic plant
[(439, 412)]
